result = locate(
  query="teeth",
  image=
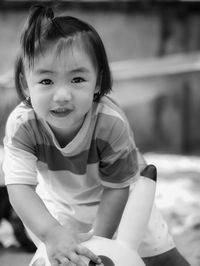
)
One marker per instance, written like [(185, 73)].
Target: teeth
[(60, 110)]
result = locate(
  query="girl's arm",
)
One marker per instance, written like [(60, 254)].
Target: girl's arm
[(62, 244), (110, 211), (31, 210)]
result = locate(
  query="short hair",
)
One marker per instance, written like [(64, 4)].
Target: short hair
[(43, 28)]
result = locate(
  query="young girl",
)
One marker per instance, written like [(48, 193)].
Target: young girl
[(70, 156)]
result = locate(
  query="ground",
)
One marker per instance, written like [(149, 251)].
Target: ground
[(177, 197)]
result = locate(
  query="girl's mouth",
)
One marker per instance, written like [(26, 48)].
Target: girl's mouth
[(61, 112)]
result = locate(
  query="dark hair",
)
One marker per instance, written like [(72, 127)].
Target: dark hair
[(42, 27)]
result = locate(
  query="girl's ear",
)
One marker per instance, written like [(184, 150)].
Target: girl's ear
[(23, 84), (97, 89)]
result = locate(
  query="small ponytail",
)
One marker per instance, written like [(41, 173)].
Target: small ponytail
[(19, 71), (39, 16), (20, 81)]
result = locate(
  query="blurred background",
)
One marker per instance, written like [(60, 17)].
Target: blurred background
[(154, 53)]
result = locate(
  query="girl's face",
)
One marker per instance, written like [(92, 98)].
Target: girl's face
[(61, 88)]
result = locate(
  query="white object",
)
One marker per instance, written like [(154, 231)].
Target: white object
[(123, 250)]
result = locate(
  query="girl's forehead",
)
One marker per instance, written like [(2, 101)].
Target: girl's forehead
[(65, 53)]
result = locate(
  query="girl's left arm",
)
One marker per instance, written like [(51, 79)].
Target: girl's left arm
[(110, 211)]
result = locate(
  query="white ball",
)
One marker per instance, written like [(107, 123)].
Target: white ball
[(112, 252)]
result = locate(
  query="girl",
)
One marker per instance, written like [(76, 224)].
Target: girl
[(70, 156)]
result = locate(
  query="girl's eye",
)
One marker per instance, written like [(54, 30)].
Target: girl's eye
[(46, 82), (78, 80)]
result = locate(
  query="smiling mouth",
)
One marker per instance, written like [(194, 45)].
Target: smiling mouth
[(61, 112)]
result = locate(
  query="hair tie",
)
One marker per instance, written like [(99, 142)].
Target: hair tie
[(49, 13), (45, 10)]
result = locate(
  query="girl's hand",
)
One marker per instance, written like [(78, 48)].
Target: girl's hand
[(64, 248)]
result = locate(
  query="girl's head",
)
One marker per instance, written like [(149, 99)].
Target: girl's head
[(43, 32)]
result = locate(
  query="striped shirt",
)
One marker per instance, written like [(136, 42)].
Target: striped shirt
[(102, 154)]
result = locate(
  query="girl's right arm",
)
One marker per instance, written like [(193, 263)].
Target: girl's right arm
[(31, 210), (62, 245)]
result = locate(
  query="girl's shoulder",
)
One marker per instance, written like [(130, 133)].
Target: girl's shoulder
[(19, 117), (109, 113), (111, 120)]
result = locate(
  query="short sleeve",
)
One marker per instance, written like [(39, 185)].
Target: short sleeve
[(19, 163), (118, 163)]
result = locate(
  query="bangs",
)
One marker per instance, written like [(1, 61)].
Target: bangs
[(79, 40)]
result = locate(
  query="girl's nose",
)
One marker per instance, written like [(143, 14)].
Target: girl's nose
[(62, 94)]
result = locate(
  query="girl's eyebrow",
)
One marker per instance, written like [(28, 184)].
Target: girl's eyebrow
[(73, 71), (43, 71), (80, 70)]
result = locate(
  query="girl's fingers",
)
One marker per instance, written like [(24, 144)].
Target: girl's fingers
[(71, 259), (81, 250), (74, 258), (71, 264), (54, 261), (63, 261)]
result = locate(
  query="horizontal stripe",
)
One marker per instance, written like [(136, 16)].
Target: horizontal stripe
[(127, 183), (72, 188), (114, 131), (78, 164), (120, 170), (56, 161)]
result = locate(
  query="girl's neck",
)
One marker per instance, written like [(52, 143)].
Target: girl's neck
[(64, 137)]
